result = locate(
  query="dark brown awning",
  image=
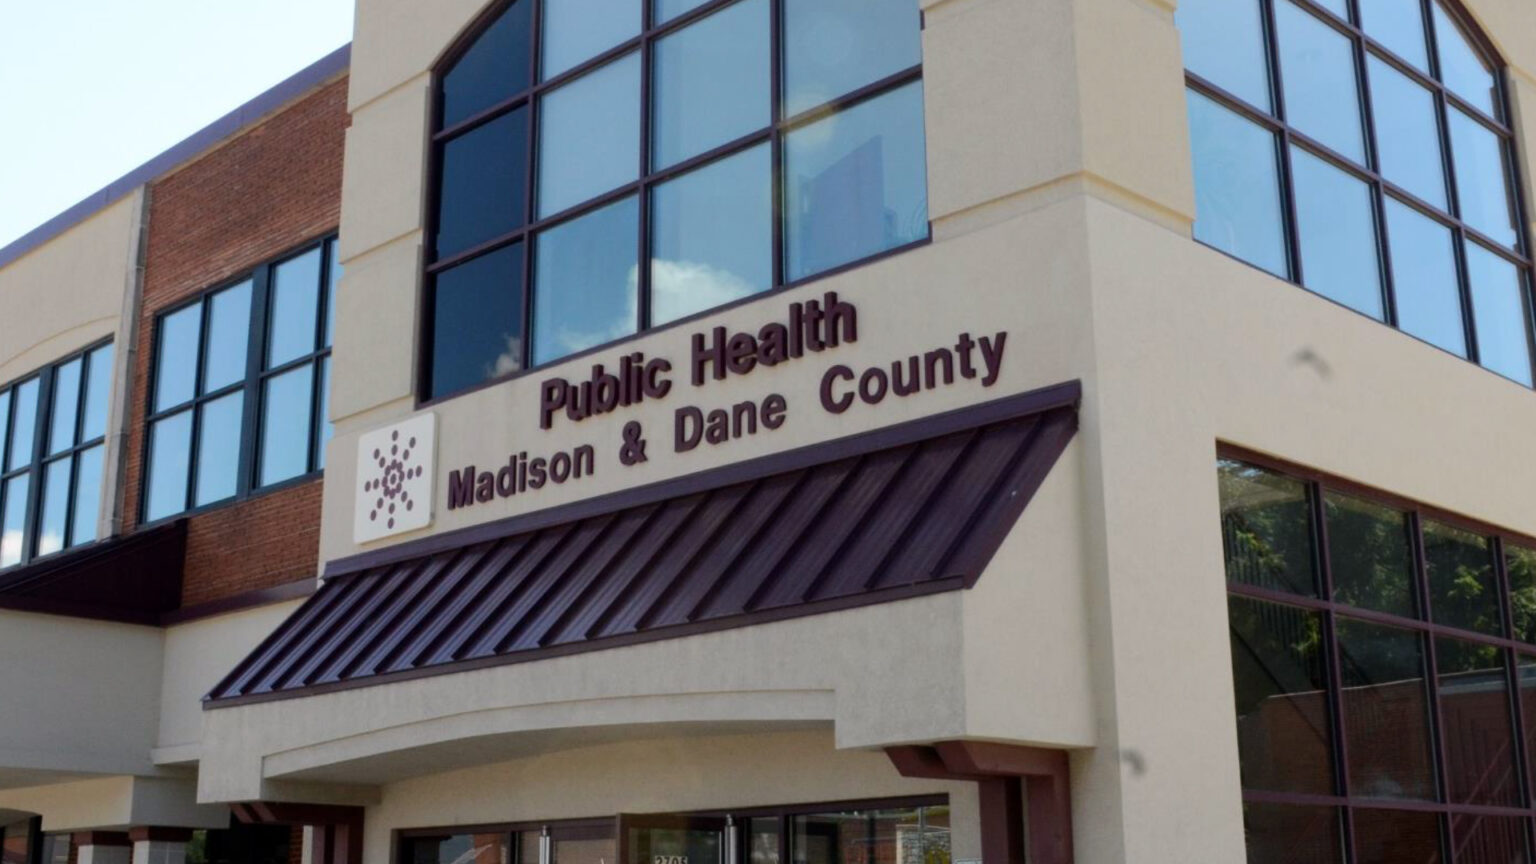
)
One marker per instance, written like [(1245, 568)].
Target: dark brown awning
[(135, 578), (899, 512)]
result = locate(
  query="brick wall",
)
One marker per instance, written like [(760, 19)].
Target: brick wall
[(273, 187)]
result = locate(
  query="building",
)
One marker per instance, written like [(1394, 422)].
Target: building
[(801, 430)]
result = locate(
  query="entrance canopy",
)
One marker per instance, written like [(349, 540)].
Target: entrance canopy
[(899, 512)]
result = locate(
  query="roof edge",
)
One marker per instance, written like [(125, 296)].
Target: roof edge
[(183, 151)]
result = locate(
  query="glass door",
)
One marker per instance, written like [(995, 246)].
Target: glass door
[(670, 839)]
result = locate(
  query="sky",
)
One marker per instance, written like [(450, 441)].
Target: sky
[(91, 89)]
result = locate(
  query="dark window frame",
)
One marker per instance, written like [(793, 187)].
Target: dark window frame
[(1363, 47), (1512, 651), (784, 813), (650, 32), (251, 384), (40, 458)]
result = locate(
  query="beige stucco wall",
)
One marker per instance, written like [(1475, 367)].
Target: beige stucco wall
[(115, 804), (1060, 193)]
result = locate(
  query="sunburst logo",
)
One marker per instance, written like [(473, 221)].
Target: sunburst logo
[(395, 479)]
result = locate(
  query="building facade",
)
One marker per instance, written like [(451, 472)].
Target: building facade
[(796, 430)]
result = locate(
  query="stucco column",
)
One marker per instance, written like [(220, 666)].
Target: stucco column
[(160, 845), (102, 847)]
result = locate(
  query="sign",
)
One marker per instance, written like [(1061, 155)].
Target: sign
[(395, 465)]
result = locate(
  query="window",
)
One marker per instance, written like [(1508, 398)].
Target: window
[(53, 428), (896, 832), (240, 385), (607, 166), (1384, 668), (1363, 150)]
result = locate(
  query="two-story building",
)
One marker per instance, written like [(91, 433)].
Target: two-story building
[(804, 431)]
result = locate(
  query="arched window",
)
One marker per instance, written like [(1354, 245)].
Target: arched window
[(606, 166), (1362, 148)]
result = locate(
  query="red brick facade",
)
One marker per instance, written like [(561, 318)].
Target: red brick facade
[(268, 190)]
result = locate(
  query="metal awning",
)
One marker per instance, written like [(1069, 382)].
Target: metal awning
[(899, 512), (135, 578)]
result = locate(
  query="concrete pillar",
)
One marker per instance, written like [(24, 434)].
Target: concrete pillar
[(102, 847), (160, 845)]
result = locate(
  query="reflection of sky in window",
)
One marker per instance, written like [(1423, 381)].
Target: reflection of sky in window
[(712, 235), (14, 518), (55, 509)]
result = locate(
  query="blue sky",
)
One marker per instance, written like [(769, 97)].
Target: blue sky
[(90, 89)]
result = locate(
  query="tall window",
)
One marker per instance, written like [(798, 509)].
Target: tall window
[(1362, 148), (240, 386), (1384, 664), (53, 428), (605, 166)]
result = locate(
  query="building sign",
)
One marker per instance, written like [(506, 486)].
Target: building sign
[(395, 465), (807, 332)]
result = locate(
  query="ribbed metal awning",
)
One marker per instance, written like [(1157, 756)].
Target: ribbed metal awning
[(904, 511)]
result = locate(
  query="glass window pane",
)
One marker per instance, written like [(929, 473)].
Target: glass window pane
[(13, 519), (712, 235), (53, 510), (1520, 563), (1237, 186), (1499, 314), (98, 394), (229, 334), (1526, 675), (1489, 839), (287, 401), (1482, 178), (332, 254), (1282, 834), (1336, 222), (1399, 25), (493, 70), (23, 423), (856, 183), (1407, 133), (1266, 529), (488, 848), (477, 320), (1278, 657), (170, 449), (87, 495), (585, 283), (1224, 44), (763, 845), (833, 47), (327, 428), (218, 448), (663, 11), (711, 82), (1317, 67), (66, 406), (1480, 764), (577, 30), (1370, 555), (1397, 836), (582, 849), (1461, 67), (295, 302), (589, 135), (484, 183), (176, 356), (5, 419), (1385, 712), (1462, 592), (1424, 278)]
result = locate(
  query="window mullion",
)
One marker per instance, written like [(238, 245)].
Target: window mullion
[(256, 353), (530, 192), (1432, 682), (776, 136), (1335, 672), (642, 254)]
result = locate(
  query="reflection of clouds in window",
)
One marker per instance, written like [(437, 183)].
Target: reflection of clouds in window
[(509, 360), (599, 331), (680, 288), (10, 546)]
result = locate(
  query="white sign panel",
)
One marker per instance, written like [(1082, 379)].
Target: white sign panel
[(395, 466)]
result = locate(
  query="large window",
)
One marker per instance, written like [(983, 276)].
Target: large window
[(897, 832), (1384, 664), (1362, 148), (53, 428), (240, 384), (606, 166)]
